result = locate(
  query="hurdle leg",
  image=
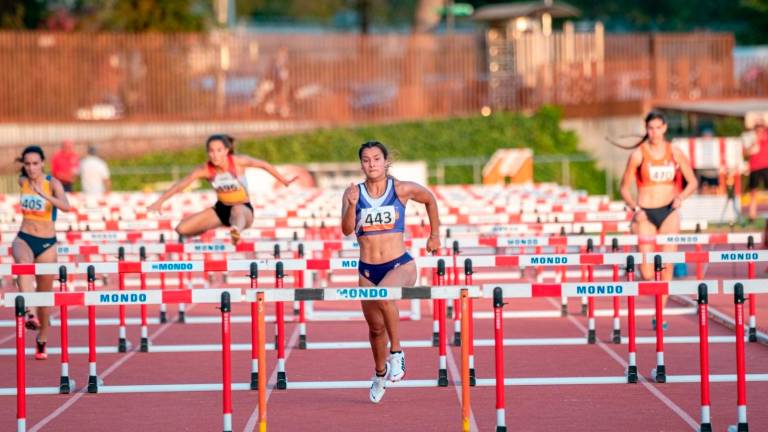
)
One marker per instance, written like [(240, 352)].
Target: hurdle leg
[(442, 373), (741, 381), (226, 355), (65, 382), (616, 308), (660, 371), (632, 376), (21, 373), (122, 345), (706, 422), (255, 336), (144, 347), (498, 347), (465, 398), (163, 314), (93, 378), (457, 324)]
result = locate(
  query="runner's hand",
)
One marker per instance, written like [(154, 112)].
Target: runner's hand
[(433, 244), (155, 207), (352, 194)]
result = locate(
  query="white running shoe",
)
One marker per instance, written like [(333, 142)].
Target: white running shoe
[(379, 386), (396, 366)]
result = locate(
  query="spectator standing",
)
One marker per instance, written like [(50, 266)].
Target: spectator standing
[(757, 151), (94, 174), (64, 165)]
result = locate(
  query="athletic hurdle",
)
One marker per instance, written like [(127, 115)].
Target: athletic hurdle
[(263, 296), (632, 289), (93, 298)]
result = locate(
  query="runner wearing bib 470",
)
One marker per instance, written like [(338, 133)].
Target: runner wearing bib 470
[(658, 169), (375, 212)]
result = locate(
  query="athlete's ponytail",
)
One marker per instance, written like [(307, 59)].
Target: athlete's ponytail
[(653, 115), (26, 151), (227, 140)]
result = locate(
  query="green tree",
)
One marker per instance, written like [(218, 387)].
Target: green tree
[(22, 14), (152, 15)]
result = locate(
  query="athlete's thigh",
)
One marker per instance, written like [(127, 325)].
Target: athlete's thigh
[(671, 224), (646, 233), (45, 282), (199, 222), (247, 213), (22, 254), (403, 275), (371, 310)]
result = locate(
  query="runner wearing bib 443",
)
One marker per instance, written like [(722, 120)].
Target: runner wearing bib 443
[(375, 212)]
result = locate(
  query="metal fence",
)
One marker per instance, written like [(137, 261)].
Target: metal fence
[(343, 78)]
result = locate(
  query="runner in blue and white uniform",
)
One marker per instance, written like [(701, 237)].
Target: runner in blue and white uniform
[(375, 211)]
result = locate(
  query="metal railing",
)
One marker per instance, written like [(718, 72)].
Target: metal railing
[(347, 78)]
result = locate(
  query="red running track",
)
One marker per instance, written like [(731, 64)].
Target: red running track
[(645, 406)]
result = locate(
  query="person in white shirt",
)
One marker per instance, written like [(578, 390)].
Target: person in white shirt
[(94, 174)]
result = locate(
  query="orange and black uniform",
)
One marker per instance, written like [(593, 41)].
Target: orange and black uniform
[(35, 207), (652, 171), (230, 190)]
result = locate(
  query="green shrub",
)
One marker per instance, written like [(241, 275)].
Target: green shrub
[(429, 141)]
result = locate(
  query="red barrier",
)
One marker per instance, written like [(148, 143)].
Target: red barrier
[(631, 326), (741, 377), (262, 359), (282, 383), (144, 347), (21, 373), (660, 371), (442, 375), (498, 336), (255, 335), (64, 382), (465, 399), (226, 339), (93, 380), (706, 423)]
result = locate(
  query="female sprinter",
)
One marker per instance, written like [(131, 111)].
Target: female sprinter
[(375, 211), (655, 165), (41, 196), (225, 171)]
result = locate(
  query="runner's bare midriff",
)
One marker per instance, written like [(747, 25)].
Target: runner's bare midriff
[(381, 248), (655, 196), (38, 228)]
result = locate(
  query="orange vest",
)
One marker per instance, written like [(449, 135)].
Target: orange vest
[(34, 206), (230, 189), (657, 171)]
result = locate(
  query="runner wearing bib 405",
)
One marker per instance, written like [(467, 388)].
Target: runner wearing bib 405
[(41, 198)]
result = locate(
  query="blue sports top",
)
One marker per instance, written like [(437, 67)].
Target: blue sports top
[(382, 215)]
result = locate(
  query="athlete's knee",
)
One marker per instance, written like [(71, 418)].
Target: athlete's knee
[(376, 331)]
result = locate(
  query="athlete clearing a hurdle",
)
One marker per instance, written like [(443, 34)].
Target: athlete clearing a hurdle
[(41, 197), (375, 211), (657, 168), (226, 173)]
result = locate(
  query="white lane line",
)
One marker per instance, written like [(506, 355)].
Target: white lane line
[(653, 390), (71, 401), (254, 418)]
